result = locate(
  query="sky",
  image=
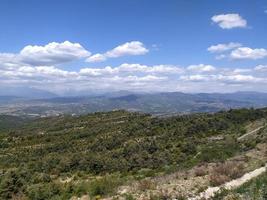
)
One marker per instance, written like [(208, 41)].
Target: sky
[(137, 45)]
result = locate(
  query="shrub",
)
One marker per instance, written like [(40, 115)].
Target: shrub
[(129, 197), (217, 179), (144, 185), (230, 169), (225, 172), (43, 191), (103, 186), (201, 171), (163, 195)]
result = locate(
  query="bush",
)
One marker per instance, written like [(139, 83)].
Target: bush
[(129, 197), (163, 195), (144, 185), (230, 169), (224, 172), (217, 179), (43, 191), (201, 171), (12, 183), (103, 186)]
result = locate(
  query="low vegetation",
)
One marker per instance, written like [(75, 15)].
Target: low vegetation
[(254, 189), (101, 151), (225, 172)]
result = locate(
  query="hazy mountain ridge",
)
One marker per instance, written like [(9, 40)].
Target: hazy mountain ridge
[(25, 92), (155, 103)]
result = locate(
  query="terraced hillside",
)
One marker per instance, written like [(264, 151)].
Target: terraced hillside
[(128, 155)]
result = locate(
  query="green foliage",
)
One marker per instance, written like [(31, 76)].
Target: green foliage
[(103, 186), (8, 122), (254, 189), (117, 142), (43, 191), (129, 197), (10, 184)]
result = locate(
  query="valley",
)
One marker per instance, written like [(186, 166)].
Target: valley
[(157, 104)]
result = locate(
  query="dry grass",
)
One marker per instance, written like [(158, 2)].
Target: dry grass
[(217, 179), (225, 172)]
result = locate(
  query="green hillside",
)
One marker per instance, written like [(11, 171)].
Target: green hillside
[(101, 151), (8, 122)]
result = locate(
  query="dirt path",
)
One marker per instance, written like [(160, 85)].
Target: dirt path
[(210, 192), (250, 133)]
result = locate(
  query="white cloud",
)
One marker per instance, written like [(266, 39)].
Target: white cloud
[(229, 21), (195, 77), (240, 70), (127, 68), (239, 78), (261, 68), (201, 68), (133, 76), (46, 72), (221, 56), (248, 53), (52, 53), (96, 58), (8, 60), (97, 71), (129, 48), (223, 47), (147, 78), (37, 66), (150, 69)]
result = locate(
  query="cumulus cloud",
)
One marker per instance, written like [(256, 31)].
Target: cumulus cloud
[(201, 68), (237, 53), (46, 72), (240, 70), (229, 21), (223, 47), (150, 69), (135, 76), (8, 60), (220, 57), (239, 78), (37, 66), (127, 68), (129, 48), (96, 58), (261, 68), (248, 53), (50, 54)]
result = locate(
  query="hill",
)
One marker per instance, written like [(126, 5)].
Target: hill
[(8, 122), (96, 154)]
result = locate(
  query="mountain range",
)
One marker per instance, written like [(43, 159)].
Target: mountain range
[(42, 103)]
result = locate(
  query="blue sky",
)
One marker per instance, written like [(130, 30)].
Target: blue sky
[(166, 33)]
